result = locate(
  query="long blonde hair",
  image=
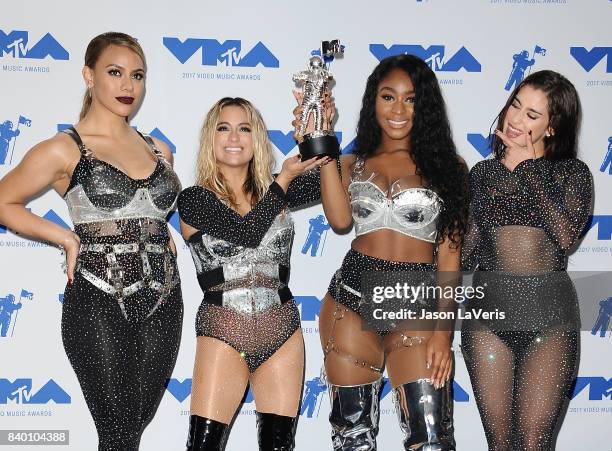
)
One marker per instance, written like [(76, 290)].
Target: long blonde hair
[(259, 174), (95, 48)]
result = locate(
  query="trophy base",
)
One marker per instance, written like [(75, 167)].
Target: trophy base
[(319, 146)]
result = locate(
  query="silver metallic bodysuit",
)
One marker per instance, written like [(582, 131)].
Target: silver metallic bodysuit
[(243, 265), (122, 226)]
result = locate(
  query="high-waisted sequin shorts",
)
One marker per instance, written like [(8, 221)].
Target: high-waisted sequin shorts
[(531, 302), (350, 284)]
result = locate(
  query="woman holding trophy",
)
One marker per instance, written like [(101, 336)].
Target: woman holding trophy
[(405, 190), (237, 224)]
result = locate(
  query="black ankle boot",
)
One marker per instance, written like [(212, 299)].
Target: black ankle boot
[(206, 434), (275, 432)]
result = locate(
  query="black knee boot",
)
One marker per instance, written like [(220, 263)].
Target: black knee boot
[(275, 432), (206, 434)]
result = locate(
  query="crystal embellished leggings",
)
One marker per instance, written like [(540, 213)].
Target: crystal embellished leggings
[(122, 367), (522, 368)]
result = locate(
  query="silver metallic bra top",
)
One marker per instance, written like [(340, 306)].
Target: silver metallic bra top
[(100, 192), (412, 211), (249, 279)]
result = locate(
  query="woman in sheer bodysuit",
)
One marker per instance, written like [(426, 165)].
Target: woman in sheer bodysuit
[(237, 224), (530, 203), (122, 311), (405, 189)]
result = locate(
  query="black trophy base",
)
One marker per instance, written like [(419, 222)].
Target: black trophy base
[(320, 146)]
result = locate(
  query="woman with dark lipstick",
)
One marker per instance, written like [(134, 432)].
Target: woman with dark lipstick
[(529, 205), (122, 310), (405, 190)]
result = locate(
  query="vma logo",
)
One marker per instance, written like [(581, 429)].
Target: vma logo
[(8, 137), (434, 55), (9, 311), (602, 323), (604, 226), (20, 392), (215, 53), (317, 230), (588, 59), (522, 62), (599, 387), (607, 163), (16, 42), (284, 141)]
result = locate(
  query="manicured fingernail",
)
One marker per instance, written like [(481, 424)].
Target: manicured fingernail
[(70, 282)]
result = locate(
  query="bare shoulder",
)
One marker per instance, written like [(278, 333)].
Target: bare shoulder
[(164, 149), (59, 150)]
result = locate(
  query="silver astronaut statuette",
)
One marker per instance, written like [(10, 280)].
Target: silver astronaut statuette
[(314, 81)]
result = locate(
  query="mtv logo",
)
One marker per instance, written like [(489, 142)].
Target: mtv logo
[(588, 59), (311, 306), (180, 390), (20, 392), (434, 55), (215, 53), (15, 44), (481, 143), (604, 223), (284, 141), (599, 387)]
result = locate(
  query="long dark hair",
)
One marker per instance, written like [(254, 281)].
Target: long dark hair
[(564, 112), (431, 143)]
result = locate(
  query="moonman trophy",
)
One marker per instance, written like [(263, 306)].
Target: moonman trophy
[(318, 143)]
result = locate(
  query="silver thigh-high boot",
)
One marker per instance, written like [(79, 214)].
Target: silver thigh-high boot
[(354, 416), (425, 416)]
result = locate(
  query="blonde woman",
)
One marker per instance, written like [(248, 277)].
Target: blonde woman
[(122, 310), (237, 225)]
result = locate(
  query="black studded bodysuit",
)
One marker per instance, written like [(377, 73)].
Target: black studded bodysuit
[(121, 318)]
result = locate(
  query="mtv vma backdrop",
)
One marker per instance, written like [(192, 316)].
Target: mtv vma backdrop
[(198, 52)]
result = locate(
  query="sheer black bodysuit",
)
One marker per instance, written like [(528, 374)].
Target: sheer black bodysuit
[(523, 223)]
